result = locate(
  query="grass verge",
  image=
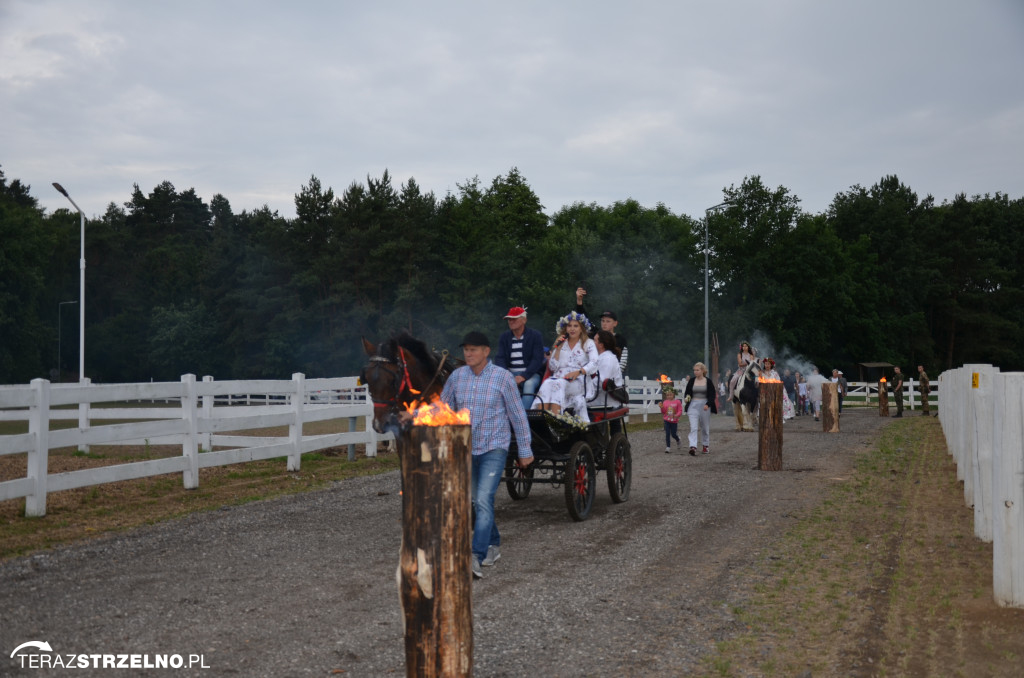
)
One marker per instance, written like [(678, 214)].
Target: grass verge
[(884, 578)]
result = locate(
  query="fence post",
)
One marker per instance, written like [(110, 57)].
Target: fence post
[(352, 425), (1008, 491), (646, 399), (981, 461), (190, 445), (362, 394), (83, 413), (208, 399), (38, 458), (295, 428), (969, 450), (962, 387)]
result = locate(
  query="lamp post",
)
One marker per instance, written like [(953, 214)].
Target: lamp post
[(707, 218), (59, 316), (81, 288)]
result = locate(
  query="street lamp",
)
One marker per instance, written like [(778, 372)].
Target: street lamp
[(707, 217), (59, 380), (81, 289)]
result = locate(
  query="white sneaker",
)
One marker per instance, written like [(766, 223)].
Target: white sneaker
[(493, 553), (475, 566)]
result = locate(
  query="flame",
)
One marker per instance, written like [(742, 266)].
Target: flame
[(882, 380), (664, 379), (437, 413), (765, 380)]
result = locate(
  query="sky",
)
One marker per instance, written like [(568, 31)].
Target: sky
[(593, 101)]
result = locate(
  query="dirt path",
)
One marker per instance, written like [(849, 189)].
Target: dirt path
[(304, 586)]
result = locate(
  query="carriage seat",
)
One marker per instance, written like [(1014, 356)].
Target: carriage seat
[(598, 414)]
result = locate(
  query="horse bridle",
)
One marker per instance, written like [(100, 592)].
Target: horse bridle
[(400, 378)]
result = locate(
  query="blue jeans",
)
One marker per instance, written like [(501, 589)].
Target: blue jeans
[(671, 431), (528, 388), (487, 470)]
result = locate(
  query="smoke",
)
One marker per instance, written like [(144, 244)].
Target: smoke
[(785, 358)]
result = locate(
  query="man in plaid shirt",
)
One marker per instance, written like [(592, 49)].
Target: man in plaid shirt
[(490, 394)]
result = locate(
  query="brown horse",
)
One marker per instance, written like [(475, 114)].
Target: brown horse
[(401, 371)]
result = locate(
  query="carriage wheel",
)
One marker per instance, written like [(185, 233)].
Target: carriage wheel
[(519, 480), (620, 468), (580, 481)]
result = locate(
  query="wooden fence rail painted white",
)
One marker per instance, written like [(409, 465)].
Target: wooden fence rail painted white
[(197, 415), (982, 415), (645, 395)]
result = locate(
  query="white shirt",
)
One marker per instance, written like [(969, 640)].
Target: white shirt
[(607, 368)]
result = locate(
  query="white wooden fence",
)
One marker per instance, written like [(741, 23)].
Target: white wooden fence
[(982, 418), (198, 415), (645, 394)]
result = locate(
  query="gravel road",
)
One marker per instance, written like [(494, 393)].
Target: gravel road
[(305, 585)]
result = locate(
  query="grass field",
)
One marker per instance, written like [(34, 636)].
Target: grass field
[(884, 578)]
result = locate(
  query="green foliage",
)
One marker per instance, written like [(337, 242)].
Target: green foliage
[(25, 248), (175, 285)]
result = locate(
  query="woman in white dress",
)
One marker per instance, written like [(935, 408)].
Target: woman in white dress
[(573, 359)]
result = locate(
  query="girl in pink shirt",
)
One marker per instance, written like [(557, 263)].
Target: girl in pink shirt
[(671, 410)]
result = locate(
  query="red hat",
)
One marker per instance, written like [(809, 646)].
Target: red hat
[(515, 312)]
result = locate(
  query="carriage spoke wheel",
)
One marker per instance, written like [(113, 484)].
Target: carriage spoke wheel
[(620, 468), (580, 481), (519, 480)]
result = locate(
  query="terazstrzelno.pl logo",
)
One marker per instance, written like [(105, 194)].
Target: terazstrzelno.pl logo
[(37, 654)]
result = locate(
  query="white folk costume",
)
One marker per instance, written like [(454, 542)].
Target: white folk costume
[(556, 389)]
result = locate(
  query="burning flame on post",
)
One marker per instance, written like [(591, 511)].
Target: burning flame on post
[(765, 380), (436, 413), (882, 380), (664, 379)]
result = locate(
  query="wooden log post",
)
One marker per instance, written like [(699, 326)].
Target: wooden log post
[(883, 398), (830, 407), (769, 432), (434, 578)]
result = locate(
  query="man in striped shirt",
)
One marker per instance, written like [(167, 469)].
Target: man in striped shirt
[(521, 352), (489, 393)]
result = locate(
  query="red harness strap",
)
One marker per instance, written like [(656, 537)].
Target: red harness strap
[(406, 381)]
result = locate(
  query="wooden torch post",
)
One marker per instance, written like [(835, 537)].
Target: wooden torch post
[(830, 407), (434, 578), (769, 434), (883, 398)]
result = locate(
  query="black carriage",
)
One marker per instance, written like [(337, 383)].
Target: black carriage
[(570, 453)]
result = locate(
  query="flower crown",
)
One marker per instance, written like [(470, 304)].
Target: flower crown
[(563, 322)]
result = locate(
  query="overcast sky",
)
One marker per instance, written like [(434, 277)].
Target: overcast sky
[(593, 101)]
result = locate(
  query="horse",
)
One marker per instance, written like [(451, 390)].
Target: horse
[(745, 395), (400, 371)]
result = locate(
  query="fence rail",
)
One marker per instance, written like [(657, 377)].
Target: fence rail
[(645, 395), (203, 417)]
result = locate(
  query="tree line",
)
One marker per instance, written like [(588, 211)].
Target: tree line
[(177, 285)]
